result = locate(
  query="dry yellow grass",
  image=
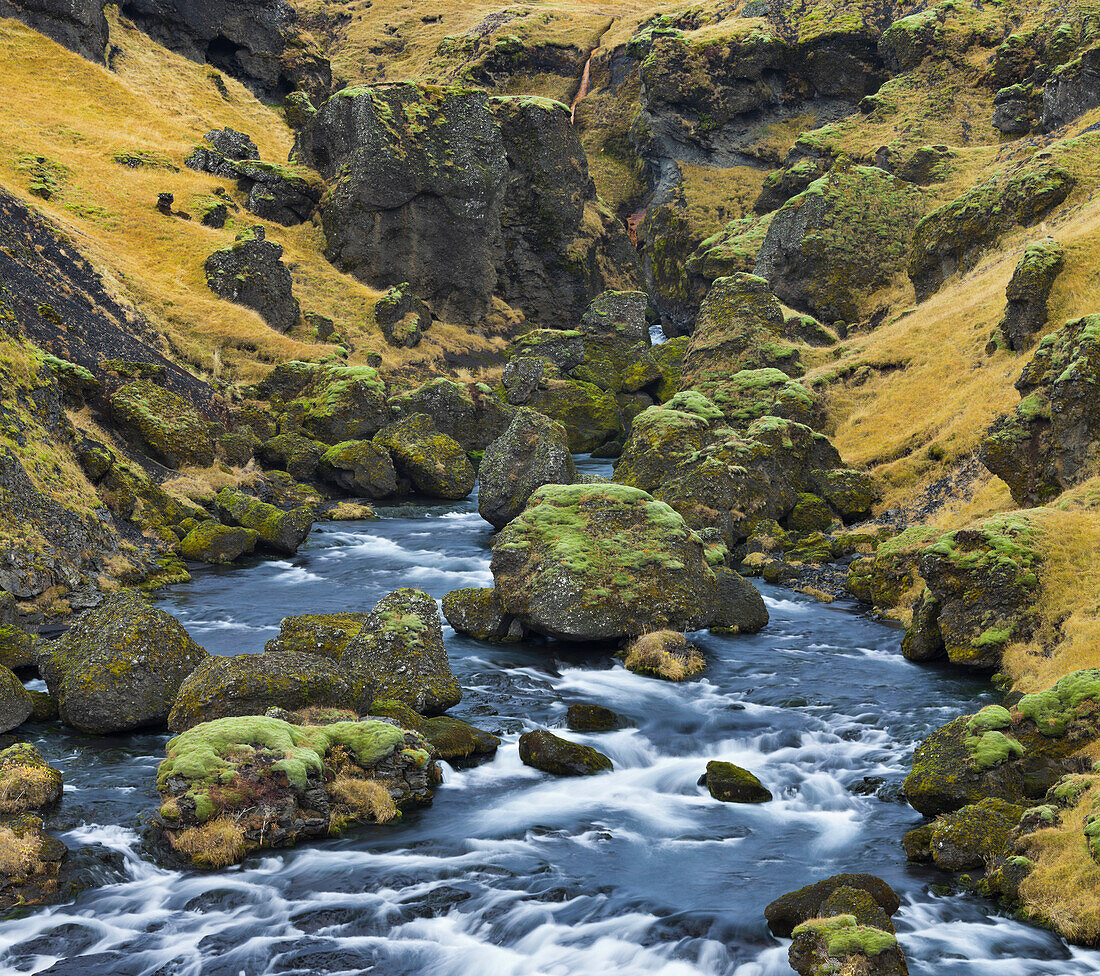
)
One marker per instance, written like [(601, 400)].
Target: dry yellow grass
[(366, 799), (18, 855), (25, 788), (202, 484), (664, 654), (215, 844)]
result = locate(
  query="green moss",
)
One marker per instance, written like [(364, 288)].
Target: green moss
[(844, 936), (992, 748), (1053, 710), (989, 718)]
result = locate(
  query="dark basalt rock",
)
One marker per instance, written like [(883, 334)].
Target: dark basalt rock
[(80, 26), (249, 272), (1073, 90), (550, 753), (466, 412), (790, 910), (1028, 291), (586, 717), (732, 784)]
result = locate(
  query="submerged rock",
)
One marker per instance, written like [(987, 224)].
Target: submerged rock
[(598, 562), (586, 717), (119, 667), (552, 754)]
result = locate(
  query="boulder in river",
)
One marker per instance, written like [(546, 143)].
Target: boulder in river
[(33, 865), (15, 703), (235, 785), (275, 529), (600, 562), (27, 782), (587, 717), (552, 754), (250, 684), (451, 739), (119, 667), (476, 612), (732, 784), (212, 542), (435, 463), (399, 654), (796, 907)]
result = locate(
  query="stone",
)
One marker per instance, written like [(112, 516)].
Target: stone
[(1027, 293), (296, 454), (434, 463), (212, 542), (402, 317), (249, 272), (1072, 90), (792, 909), (732, 784), (533, 451), (465, 412), (250, 684), (281, 531), (586, 717), (324, 634), (589, 414), (476, 612), (15, 704), (550, 753), (163, 424), (119, 666), (27, 782), (361, 468), (969, 837)]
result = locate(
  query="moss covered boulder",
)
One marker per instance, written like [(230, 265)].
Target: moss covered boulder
[(840, 944), (552, 754), (326, 634), (468, 413), (587, 717), (36, 870), (15, 703), (361, 468), (435, 463), (27, 781), (212, 542), (402, 316), (341, 403), (250, 684), (561, 348), (532, 452), (399, 655), (968, 837), (163, 424), (749, 394), (477, 612), (953, 237), (598, 562), (732, 784), (842, 237), (275, 529), (451, 739), (18, 648), (792, 909), (1028, 291), (590, 415), (235, 785), (119, 667), (1052, 440), (297, 455)]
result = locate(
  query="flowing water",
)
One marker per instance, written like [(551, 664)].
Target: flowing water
[(512, 872)]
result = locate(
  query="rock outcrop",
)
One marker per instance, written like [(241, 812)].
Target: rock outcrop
[(434, 463), (250, 272)]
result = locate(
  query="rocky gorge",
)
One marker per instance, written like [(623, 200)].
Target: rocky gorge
[(549, 488)]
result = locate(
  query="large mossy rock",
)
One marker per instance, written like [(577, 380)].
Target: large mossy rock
[(468, 413), (465, 196), (326, 634), (435, 463), (476, 612), (37, 871), (361, 468), (275, 529), (15, 703), (732, 784), (250, 684), (27, 782), (966, 838), (841, 944), (842, 237), (617, 344), (1052, 440), (451, 739), (552, 754), (686, 454), (1028, 291), (297, 455), (119, 667), (212, 542), (532, 452), (953, 237), (399, 655), (590, 415), (250, 272), (1013, 755), (982, 586), (341, 403), (599, 562), (235, 785), (163, 424), (791, 910)]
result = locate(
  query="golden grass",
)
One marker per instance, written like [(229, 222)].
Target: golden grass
[(367, 799), (664, 654), (215, 844), (19, 855), (25, 788), (349, 512), (200, 485)]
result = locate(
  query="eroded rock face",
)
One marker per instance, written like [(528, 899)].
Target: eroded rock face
[(119, 667), (532, 452), (250, 272), (80, 26), (1028, 291), (468, 413), (599, 562), (465, 197), (1073, 90), (1052, 441)]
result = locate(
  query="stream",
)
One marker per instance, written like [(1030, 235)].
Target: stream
[(515, 873)]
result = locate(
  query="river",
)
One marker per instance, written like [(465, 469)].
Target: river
[(512, 872)]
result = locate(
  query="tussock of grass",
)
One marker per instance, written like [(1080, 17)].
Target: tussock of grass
[(215, 844), (202, 484), (664, 654), (18, 855), (26, 788), (368, 799)]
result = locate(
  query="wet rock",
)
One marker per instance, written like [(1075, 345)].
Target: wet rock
[(325, 634), (435, 463), (27, 782), (212, 542), (664, 654), (732, 784), (34, 866), (477, 612), (163, 424), (845, 235), (249, 272), (468, 413), (1028, 291), (796, 907), (399, 655), (15, 703), (544, 750), (841, 944), (235, 785), (1052, 440), (533, 451), (250, 684), (119, 667), (278, 530), (954, 236), (361, 468), (586, 717), (967, 838), (596, 562), (451, 739)]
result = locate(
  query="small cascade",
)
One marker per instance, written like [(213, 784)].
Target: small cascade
[(583, 90)]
